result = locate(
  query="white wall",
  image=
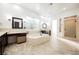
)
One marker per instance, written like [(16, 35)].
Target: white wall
[(7, 11), (46, 20), (32, 23), (61, 16), (54, 38)]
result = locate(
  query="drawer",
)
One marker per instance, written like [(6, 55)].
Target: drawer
[(21, 39), (11, 39)]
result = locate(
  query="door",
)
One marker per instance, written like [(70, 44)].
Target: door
[(77, 28), (70, 27)]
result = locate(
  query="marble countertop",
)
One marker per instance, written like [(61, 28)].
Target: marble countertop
[(12, 31), (2, 33)]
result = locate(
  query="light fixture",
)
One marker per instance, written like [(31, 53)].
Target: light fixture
[(17, 7), (0, 23), (51, 4), (42, 16), (38, 7), (28, 17), (64, 8), (8, 16)]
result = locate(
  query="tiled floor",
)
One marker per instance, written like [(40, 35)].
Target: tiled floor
[(43, 48), (30, 48)]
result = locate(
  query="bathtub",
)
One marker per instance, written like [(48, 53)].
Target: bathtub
[(36, 38)]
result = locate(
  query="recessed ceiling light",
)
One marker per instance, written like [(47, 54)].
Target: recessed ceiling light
[(38, 7), (17, 7), (51, 4), (42, 16), (64, 8), (28, 17), (8, 16)]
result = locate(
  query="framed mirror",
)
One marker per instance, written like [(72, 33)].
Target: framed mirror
[(17, 23), (44, 26)]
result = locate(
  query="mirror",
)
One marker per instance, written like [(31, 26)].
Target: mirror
[(44, 26), (17, 23)]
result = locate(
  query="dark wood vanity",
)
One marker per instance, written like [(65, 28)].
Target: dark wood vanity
[(3, 43), (46, 32), (18, 37), (15, 35)]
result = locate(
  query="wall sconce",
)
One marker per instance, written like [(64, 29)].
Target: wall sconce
[(44, 26), (9, 19), (0, 23)]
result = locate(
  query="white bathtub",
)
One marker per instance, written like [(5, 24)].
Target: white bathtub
[(36, 38)]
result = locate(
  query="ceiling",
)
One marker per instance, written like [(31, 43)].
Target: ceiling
[(45, 9)]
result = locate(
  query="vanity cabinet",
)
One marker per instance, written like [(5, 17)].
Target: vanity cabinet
[(17, 38), (0, 47), (21, 38), (3, 43), (46, 32)]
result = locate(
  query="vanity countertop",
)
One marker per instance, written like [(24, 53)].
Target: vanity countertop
[(12, 31), (2, 33)]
